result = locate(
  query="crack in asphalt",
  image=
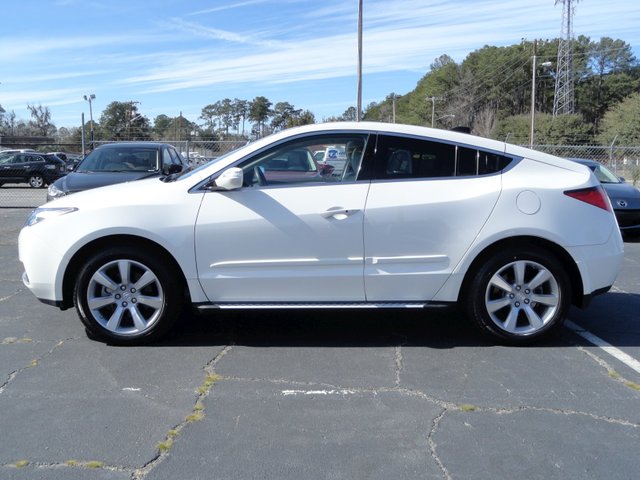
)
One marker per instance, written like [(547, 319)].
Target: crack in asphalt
[(198, 410), (433, 446), (33, 364), (10, 296), (315, 388)]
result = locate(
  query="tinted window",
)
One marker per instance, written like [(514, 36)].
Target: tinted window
[(402, 157)]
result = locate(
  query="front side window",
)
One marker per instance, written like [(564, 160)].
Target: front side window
[(319, 158)]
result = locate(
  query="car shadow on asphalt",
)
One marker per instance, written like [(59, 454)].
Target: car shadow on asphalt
[(328, 328), (438, 329)]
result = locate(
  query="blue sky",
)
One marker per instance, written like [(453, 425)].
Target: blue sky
[(177, 56)]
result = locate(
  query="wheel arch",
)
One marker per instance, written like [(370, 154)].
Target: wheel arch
[(81, 256), (560, 253)]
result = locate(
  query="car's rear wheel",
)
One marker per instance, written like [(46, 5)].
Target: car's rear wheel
[(128, 296), (36, 181), (519, 295)]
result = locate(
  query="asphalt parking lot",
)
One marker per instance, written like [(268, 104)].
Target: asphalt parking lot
[(297, 394)]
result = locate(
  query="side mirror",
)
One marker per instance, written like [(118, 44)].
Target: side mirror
[(230, 179), (171, 169)]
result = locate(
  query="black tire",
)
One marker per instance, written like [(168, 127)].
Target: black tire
[(128, 296), (519, 295), (36, 181)]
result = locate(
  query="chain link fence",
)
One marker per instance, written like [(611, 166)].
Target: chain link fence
[(15, 191), (624, 161), (199, 151)]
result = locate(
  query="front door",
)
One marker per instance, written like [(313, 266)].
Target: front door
[(294, 236)]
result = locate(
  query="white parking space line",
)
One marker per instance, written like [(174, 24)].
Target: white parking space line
[(628, 360)]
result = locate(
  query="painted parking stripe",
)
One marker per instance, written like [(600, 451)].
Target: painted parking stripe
[(628, 360)]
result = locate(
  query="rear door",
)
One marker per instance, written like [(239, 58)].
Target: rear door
[(426, 205)]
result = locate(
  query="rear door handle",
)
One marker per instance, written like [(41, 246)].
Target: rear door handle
[(339, 213)]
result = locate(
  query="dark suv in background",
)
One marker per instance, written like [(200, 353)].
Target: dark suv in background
[(117, 163), (36, 169)]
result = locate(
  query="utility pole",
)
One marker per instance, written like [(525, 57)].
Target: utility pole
[(533, 93), (433, 109), (359, 101)]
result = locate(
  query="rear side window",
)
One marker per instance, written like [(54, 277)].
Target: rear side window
[(404, 157)]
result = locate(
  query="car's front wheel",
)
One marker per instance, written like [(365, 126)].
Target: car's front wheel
[(36, 181), (128, 296), (519, 295)]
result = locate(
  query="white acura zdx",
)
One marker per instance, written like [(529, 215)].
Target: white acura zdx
[(418, 217)]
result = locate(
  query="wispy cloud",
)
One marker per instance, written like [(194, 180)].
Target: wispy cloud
[(226, 7), (218, 34), (174, 53)]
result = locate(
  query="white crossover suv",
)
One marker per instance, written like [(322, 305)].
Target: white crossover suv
[(417, 217)]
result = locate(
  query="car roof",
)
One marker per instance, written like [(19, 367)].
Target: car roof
[(134, 144), (585, 161)]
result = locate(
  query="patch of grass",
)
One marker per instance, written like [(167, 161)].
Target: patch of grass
[(165, 446), (34, 363), (209, 380), (467, 408), (93, 464), (72, 463), (21, 463), (195, 417), (616, 376), (632, 385)]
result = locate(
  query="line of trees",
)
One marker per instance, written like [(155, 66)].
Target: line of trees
[(489, 92)]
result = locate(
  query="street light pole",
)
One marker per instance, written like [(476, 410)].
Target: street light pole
[(89, 98), (533, 91)]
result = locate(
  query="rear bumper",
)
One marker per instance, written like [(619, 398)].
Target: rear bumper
[(586, 299), (599, 265)]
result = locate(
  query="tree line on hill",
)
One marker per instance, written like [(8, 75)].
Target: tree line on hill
[(489, 92)]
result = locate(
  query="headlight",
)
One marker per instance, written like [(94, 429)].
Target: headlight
[(42, 214), (55, 192)]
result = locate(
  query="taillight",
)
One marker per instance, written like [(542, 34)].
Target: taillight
[(595, 196)]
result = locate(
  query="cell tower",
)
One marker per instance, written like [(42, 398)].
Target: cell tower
[(563, 100)]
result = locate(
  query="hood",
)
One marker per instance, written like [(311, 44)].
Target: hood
[(623, 191), (78, 181)]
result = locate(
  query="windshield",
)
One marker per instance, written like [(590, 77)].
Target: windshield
[(204, 165), (605, 175), (124, 159)]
